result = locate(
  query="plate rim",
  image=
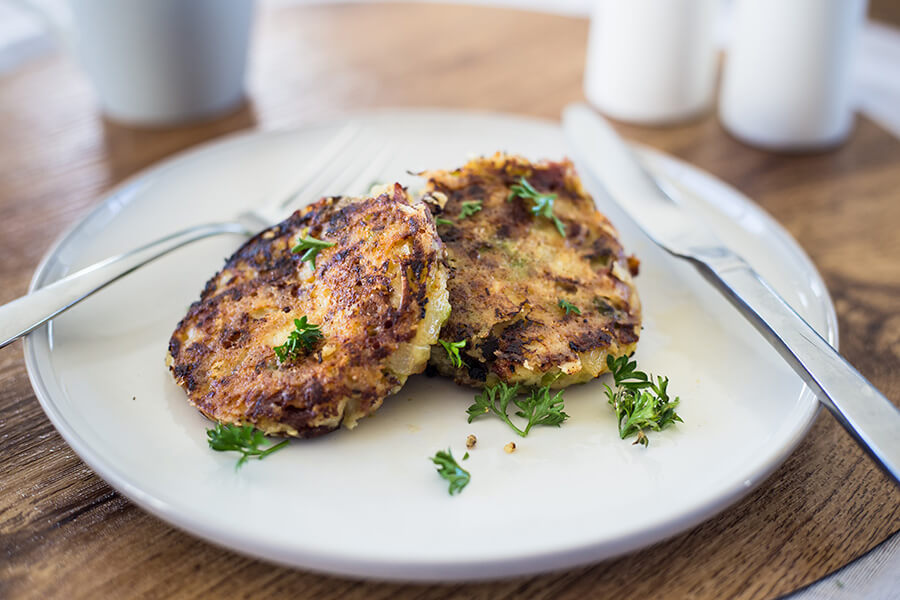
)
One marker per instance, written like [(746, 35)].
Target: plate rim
[(392, 570)]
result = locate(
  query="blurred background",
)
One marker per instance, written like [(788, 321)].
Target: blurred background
[(32, 29), (796, 103)]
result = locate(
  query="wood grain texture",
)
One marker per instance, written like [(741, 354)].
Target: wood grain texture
[(65, 533)]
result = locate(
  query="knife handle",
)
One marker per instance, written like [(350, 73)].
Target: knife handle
[(863, 411)]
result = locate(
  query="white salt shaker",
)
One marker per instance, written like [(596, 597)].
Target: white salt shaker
[(787, 81), (652, 61)]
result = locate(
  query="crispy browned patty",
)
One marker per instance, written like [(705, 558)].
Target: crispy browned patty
[(379, 295), (509, 269)]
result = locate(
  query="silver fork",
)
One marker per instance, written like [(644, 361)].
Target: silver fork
[(342, 167)]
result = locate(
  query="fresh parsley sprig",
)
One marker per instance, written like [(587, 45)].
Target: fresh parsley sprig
[(638, 401), (449, 469), (568, 307), (543, 203), (304, 338), (442, 221), (453, 349), (245, 439), (312, 246), (494, 399), (625, 373), (538, 408), (469, 208)]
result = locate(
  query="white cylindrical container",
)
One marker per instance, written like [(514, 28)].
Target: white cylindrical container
[(162, 62), (652, 61), (787, 82), (157, 62)]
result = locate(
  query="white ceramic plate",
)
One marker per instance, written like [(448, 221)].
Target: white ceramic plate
[(368, 502)]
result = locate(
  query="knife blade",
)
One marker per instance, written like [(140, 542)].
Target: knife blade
[(859, 407)]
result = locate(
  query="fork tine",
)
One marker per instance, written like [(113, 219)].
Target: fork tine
[(310, 172), (370, 174), (335, 178)]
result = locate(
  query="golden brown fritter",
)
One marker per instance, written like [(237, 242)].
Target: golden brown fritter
[(379, 295), (511, 268)]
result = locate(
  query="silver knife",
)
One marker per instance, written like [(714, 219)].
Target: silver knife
[(863, 411)]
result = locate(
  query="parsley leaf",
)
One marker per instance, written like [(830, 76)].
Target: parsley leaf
[(469, 208), (452, 349), (539, 408), (245, 439), (303, 338), (638, 401), (543, 207), (625, 373), (442, 221), (494, 399), (568, 307), (449, 469), (312, 247), (542, 409), (543, 203)]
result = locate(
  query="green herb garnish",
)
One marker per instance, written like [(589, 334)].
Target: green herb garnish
[(494, 399), (543, 203), (469, 208), (303, 338), (245, 439), (452, 349), (312, 247), (449, 469), (639, 402), (568, 307), (539, 408), (442, 221)]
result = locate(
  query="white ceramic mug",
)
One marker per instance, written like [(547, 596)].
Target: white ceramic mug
[(652, 61), (160, 62), (787, 82)]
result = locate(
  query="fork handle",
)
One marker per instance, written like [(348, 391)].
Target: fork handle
[(862, 410), (24, 314)]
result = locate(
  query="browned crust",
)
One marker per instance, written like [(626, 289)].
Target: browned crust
[(509, 269), (369, 296)]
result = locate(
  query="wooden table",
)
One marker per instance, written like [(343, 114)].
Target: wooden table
[(65, 533)]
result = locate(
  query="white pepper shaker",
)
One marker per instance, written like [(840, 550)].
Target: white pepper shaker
[(787, 80), (652, 61)]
